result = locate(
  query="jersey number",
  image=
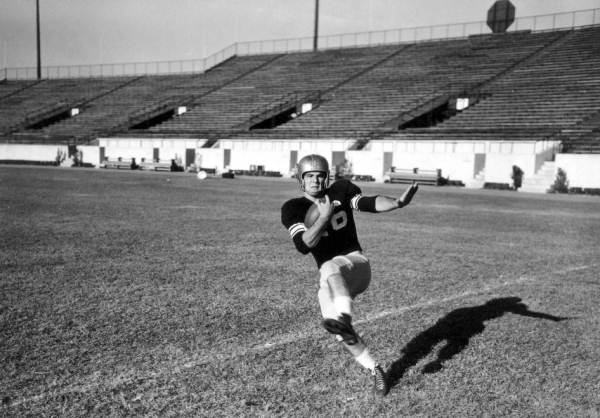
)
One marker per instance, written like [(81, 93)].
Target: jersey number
[(338, 221)]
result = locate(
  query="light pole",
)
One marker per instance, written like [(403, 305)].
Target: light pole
[(5, 53), (37, 28), (316, 36)]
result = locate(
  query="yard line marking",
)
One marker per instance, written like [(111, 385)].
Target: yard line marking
[(432, 302), (93, 383)]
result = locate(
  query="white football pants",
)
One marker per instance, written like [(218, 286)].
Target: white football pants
[(355, 269)]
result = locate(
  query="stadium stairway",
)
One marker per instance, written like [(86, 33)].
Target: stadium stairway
[(478, 181), (541, 181)]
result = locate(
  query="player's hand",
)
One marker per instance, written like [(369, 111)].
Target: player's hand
[(325, 207), (408, 195)]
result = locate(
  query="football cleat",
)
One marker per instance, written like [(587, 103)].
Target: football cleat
[(380, 384), (342, 327)]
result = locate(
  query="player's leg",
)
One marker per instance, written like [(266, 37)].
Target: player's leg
[(357, 273), (358, 278), (351, 341), (341, 280), (346, 276), (341, 295), (341, 327), (355, 270)]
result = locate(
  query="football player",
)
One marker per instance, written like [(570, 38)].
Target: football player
[(321, 223)]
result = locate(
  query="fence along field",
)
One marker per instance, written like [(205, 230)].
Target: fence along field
[(159, 294)]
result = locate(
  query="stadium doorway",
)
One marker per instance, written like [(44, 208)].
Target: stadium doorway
[(293, 160), (190, 157), (226, 158), (388, 161), (339, 163)]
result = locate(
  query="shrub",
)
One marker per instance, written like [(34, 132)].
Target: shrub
[(517, 176), (60, 157), (561, 184)]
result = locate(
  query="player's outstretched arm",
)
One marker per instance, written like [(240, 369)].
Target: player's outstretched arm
[(408, 195), (386, 204)]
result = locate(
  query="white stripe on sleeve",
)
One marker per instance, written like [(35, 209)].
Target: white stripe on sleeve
[(354, 201), (296, 228)]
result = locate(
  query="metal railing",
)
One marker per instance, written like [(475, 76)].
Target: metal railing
[(565, 20), (121, 69)]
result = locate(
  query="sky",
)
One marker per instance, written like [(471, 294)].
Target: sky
[(83, 32)]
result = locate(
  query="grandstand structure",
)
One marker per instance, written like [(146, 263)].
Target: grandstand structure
[(468, 107)]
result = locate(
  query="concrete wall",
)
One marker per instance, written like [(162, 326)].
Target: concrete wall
[(28, 152), (498, 167), (366, 163), (47, 153), (139, 149), (274, 155), (90, 154), (271, 160), (529, 156), (583, 170), (457, 160), (210, 158)]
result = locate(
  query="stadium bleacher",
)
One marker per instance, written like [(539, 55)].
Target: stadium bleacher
[(557, 89), (418, 74), (521, 84)]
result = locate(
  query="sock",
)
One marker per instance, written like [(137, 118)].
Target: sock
[(365, 360), (343, 304)]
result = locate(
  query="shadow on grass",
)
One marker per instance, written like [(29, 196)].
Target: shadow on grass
[(456, 329)]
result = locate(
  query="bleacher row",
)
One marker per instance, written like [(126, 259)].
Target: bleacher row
[(542, 84)]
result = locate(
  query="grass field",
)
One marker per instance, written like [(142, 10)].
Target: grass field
[(132, 293)]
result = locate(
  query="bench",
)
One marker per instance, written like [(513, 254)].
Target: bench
[(164, 165), (120, 163), (257, 173), (362, 177), (407, 176), (354, 177)]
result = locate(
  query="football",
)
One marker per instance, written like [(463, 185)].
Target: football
[(312, 214)]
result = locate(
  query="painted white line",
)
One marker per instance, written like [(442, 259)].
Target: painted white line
[(432, 302), (93, 383)]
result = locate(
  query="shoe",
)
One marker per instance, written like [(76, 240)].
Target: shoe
[(342, 327), (380, 384)]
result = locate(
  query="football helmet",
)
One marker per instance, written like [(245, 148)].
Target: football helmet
[(311, 162)]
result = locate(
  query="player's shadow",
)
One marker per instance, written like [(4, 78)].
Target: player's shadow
[(456, 329)]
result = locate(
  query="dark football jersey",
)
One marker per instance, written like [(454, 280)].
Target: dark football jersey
[(340, 236)]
